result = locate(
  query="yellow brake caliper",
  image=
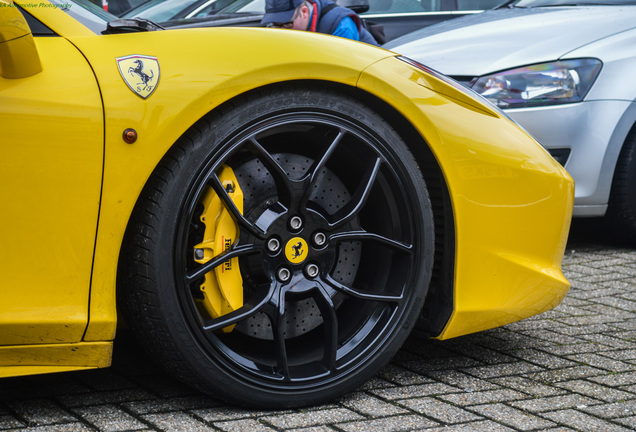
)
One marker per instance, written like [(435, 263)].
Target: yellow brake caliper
[(223, 288)]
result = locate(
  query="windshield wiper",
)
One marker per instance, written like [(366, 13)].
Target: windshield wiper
[(131, 25)]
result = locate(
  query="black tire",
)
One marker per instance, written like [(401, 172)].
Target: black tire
[(367, 227), (621, 212)]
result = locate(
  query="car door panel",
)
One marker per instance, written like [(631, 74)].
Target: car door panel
[(51, 144)]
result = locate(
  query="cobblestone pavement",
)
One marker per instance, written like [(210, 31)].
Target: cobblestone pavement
[(570, 369)]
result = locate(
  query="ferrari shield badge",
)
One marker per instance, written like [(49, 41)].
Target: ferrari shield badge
[(140, 72)]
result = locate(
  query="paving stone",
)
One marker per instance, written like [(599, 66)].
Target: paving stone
[(232, 413), (481, 426), (441, 411), (245, 425), (109, 418), (528, 386), (313, 429), (170, 404), (549, 337), (512, 417), (583, 422), (601, 362), (596, 391), (500, 370), (442, 363), (398, 375), (555, 403), (414, 391), (613, 410), (559, 375), (177, 422), (67, 427), (312, 418), (463, 381), (483, 397), (615, 379), (376, 383), (370, 406), (543, 359), (630, 422), (37, 412), (579, 348), (388, 424), (110, 397), (626, 354)]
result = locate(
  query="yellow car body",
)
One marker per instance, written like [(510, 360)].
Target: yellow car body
[(70, 180)]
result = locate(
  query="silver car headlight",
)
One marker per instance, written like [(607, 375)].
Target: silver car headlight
[(559, 82)]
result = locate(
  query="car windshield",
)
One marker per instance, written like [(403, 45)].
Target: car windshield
[(159, 10), (544, 3), (238, 6), (89, 14), (165, 10)]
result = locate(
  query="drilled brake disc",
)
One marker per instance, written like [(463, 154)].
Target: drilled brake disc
[(329, 193)]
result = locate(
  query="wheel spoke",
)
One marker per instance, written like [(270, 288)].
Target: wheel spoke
[(358, 200), (245, 224), (321, 162), (364, 235), (283, 184), (276, 315), (313, 173), (219, 259), (330, 320), (242, 313), (361, 294)]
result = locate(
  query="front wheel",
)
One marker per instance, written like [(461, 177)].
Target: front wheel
[(281, 252), (621, 212)]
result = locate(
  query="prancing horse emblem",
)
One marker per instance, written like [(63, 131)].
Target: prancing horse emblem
[(141, 73), (298, 249)]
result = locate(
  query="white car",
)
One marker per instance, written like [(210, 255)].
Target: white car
[(563, 70)]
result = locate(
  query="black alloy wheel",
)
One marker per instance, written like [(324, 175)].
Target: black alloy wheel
[(328, 235)]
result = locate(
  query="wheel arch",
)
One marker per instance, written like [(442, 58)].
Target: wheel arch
[(626, 127)]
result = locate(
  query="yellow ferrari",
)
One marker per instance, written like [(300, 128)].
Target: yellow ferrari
[(270, 211)]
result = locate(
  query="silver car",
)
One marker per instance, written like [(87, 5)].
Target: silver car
[(565, 71)]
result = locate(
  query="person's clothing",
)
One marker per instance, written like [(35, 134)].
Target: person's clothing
[(347, 29), (326, 18), (331, 17)]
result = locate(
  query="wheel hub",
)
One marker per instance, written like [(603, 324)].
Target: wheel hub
[(299, 241)]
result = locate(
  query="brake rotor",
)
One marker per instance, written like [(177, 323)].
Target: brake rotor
[(259, 191)]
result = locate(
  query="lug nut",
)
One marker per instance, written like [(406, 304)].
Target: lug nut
[(312, 270), (295, 223), (283, 274), (273, 245), (320, 239)]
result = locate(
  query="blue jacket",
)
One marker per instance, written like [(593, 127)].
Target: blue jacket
[(328, 22)]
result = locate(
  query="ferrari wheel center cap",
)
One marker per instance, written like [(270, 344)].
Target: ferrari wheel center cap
[(296, 250)]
